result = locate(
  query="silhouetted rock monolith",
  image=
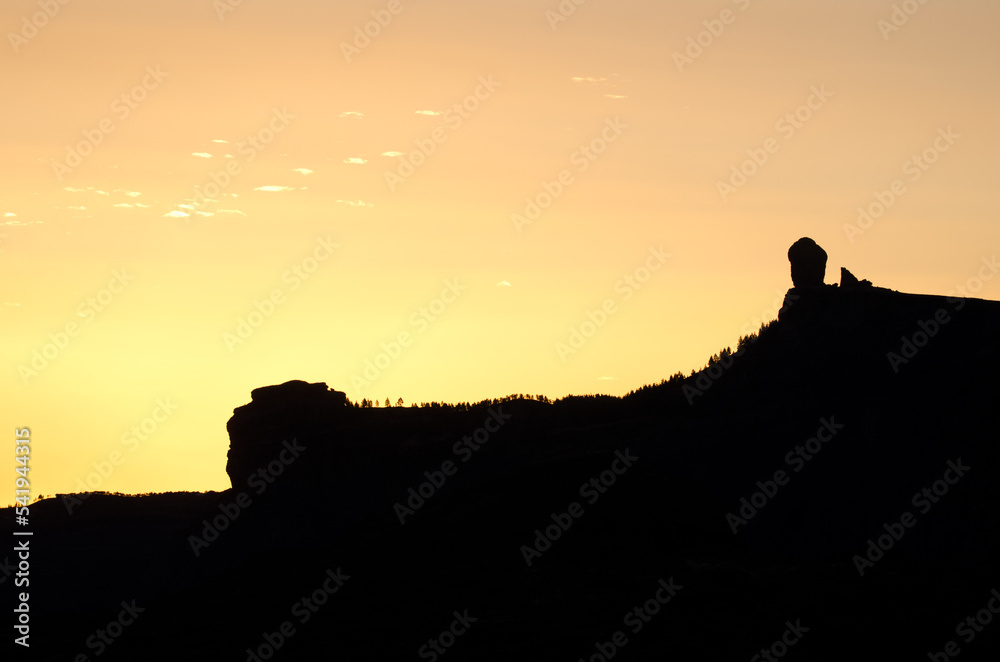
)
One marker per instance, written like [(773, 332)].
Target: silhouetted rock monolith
[(276, 414), (808, 263)]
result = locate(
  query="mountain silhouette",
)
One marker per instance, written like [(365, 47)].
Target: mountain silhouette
[(832, 485)]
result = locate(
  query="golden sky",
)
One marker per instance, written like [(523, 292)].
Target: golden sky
[(199, 198)]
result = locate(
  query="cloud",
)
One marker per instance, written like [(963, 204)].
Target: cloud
[(201, 155), (303, 171), (9, 214), (78, 208), (588, 79), (504, 283), (97, 191), (356, 203), (430, 113), (616, 96), (393, 154), (352, 113), (139, 204), (21, 222), (204, 213), (356, 160), (12, 304), (274, 188), (123, 204), (176, 214), (219, 140)]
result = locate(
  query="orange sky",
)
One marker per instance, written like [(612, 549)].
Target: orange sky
[(372, 187)]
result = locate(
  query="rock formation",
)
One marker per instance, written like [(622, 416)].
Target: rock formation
[(808, 263), (293, 410)]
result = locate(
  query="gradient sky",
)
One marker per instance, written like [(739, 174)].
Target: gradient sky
[(328, 130)]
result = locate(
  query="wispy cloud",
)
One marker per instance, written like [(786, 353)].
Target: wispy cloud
[(303, 171), (219, 140), (201, 155), (356, 160), (12, 304), (356, 203), (176, 214), (588, 79), (430, 113), (616, 96), (504, 283), (9, 214), (393, 154), (274, 188), (124, 204), (352, 113)]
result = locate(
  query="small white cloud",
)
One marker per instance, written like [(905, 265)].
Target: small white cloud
[(219, 140), (9, 214), (430, 113), (79, 208), (139, 204), (616, 96), (229, 156), (274, 188), (123, 204), (503, 283), (588, 79), (356, 203), (176, 214), (392, 154), (201, 155), (186, 206), (352, 113), (98, 192), (74, 190), (205, 213), (303, 171), (133, 194), (356, 160), (12, 304)]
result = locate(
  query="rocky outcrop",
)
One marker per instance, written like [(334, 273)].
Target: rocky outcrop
[(295, 410), (808, 263)]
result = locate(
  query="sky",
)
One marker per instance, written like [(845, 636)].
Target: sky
[(451, 200)]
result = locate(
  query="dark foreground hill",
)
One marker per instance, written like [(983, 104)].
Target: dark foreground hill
[(830, 491)]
